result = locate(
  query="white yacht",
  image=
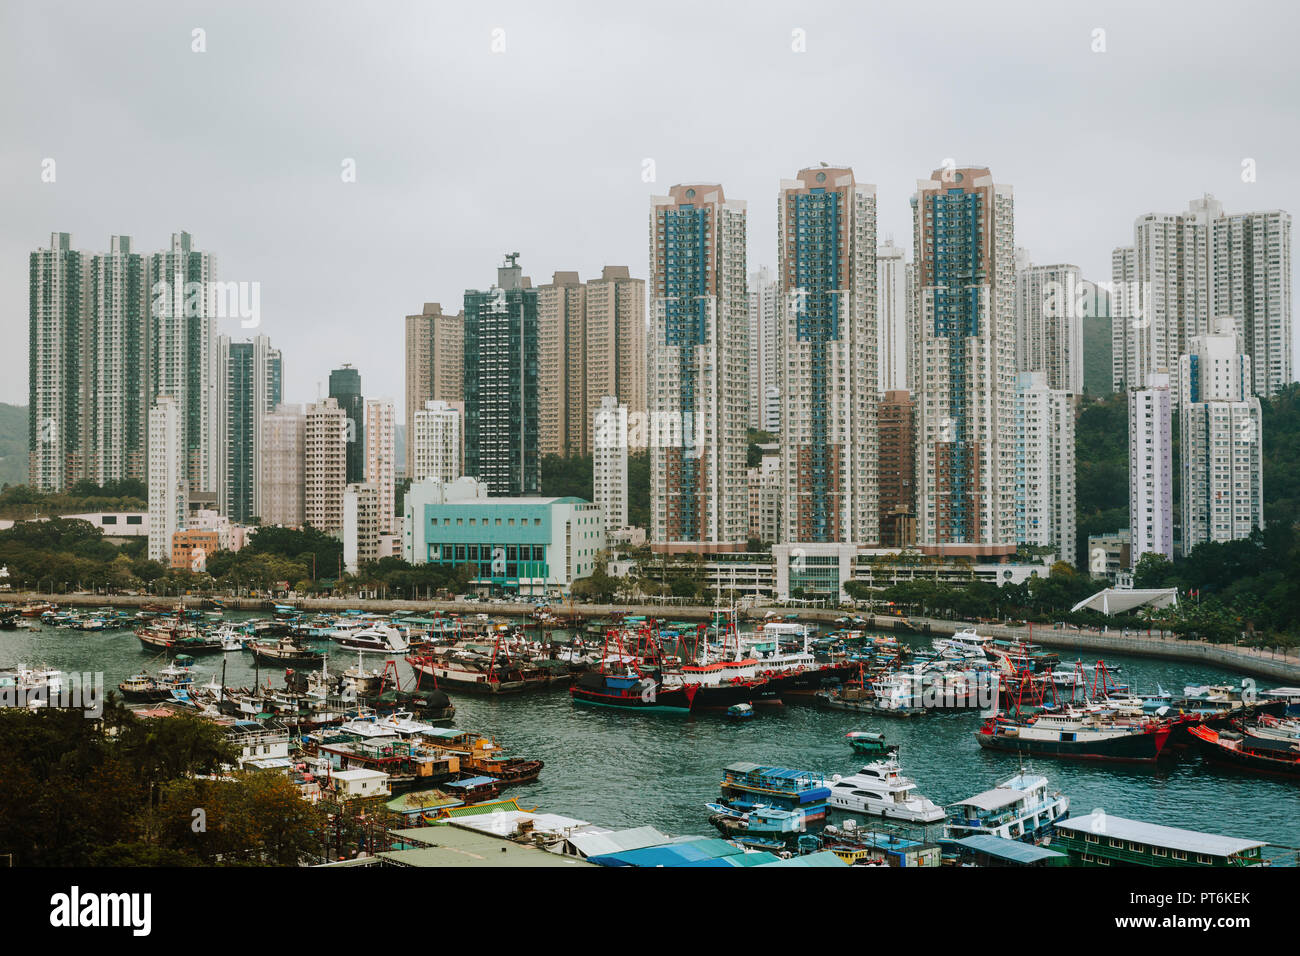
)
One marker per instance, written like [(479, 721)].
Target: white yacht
[(380, 638), (964, 645), (880, 790), (1021, 808)]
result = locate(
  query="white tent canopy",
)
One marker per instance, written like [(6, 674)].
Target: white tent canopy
[(1116, 601)]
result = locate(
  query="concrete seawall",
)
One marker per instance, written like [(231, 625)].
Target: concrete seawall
[(1268, 664)]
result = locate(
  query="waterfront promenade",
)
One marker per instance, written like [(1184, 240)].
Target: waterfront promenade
[(1283, 667)]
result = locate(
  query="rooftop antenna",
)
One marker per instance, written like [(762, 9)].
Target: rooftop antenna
[(512, 258)]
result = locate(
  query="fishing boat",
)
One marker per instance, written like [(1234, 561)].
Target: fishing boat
[(879, 789), (473, 789), (622, 682), (865, 742), (1075, 734), (1021, 808), (1257, 754), (144, 687), (9, 618), (285, 651)]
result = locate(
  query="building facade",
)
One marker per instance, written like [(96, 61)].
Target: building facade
[(829, 442), (1046, 510), (698, 385), (1150, 469), (764, 347), (897, 469), (280, 486), (895, 318), (381, 463), (435, 365), (250, 383), (1220, 441), (362, 512), (436, 449), (965, 286), (609, 461), (168, 486), (528, 545), (1049, 322), (345, 389), (502, 398), (325, 449)]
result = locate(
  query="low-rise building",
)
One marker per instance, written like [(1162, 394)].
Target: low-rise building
[(528, 545), (190, 548)]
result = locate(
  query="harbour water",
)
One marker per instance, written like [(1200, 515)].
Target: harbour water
[(619, 769)]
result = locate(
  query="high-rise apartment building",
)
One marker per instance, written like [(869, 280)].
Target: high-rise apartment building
[(1188, 270), (897, 469), (345, 389), (697, 383), (766, 497), (1045, 466), (435, 442), (826, 232), (182, 350), (1220, 440), (1049, 322), (609, 461), (591, 344), (280, 486), (362, 513), (502, 435), (435, 365), (118, 413), (1125, 318), (381, 466), (895, 318), (58, 385), (250, 384), (964, 247), (168, 486), (325, 449), (764, 346), (1150, 469)]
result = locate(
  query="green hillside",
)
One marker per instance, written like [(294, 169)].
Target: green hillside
[(13, 444)]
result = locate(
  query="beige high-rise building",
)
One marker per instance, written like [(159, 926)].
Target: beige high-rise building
[(435, 364), (591, 344), (280, 467), (362, 514), (325, 466), (436, 441), (381, 469)]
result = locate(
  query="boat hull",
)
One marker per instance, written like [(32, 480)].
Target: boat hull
[(1128, 748)]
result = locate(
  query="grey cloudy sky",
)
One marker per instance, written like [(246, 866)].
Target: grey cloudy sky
[(463, 154)]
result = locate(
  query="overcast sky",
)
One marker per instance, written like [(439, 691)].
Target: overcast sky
[(463, 153)]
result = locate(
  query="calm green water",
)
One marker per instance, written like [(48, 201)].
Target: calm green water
[(629, 769)]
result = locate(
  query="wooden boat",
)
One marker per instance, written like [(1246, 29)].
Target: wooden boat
[(473, 789), (865, 742), (1077, 735)]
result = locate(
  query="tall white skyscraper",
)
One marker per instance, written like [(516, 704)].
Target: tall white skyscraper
[(1150, 469), (435, 440), (964, 228), (58, 440), (1045, 466), (325, 466), (1220, 441), (895, 318), (826, 229), (1049, 322), (381, 465), (697, 382), (1194, 268), (117, 411), (609, 464), (168, 487), (1125, 321), (764, 345)]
